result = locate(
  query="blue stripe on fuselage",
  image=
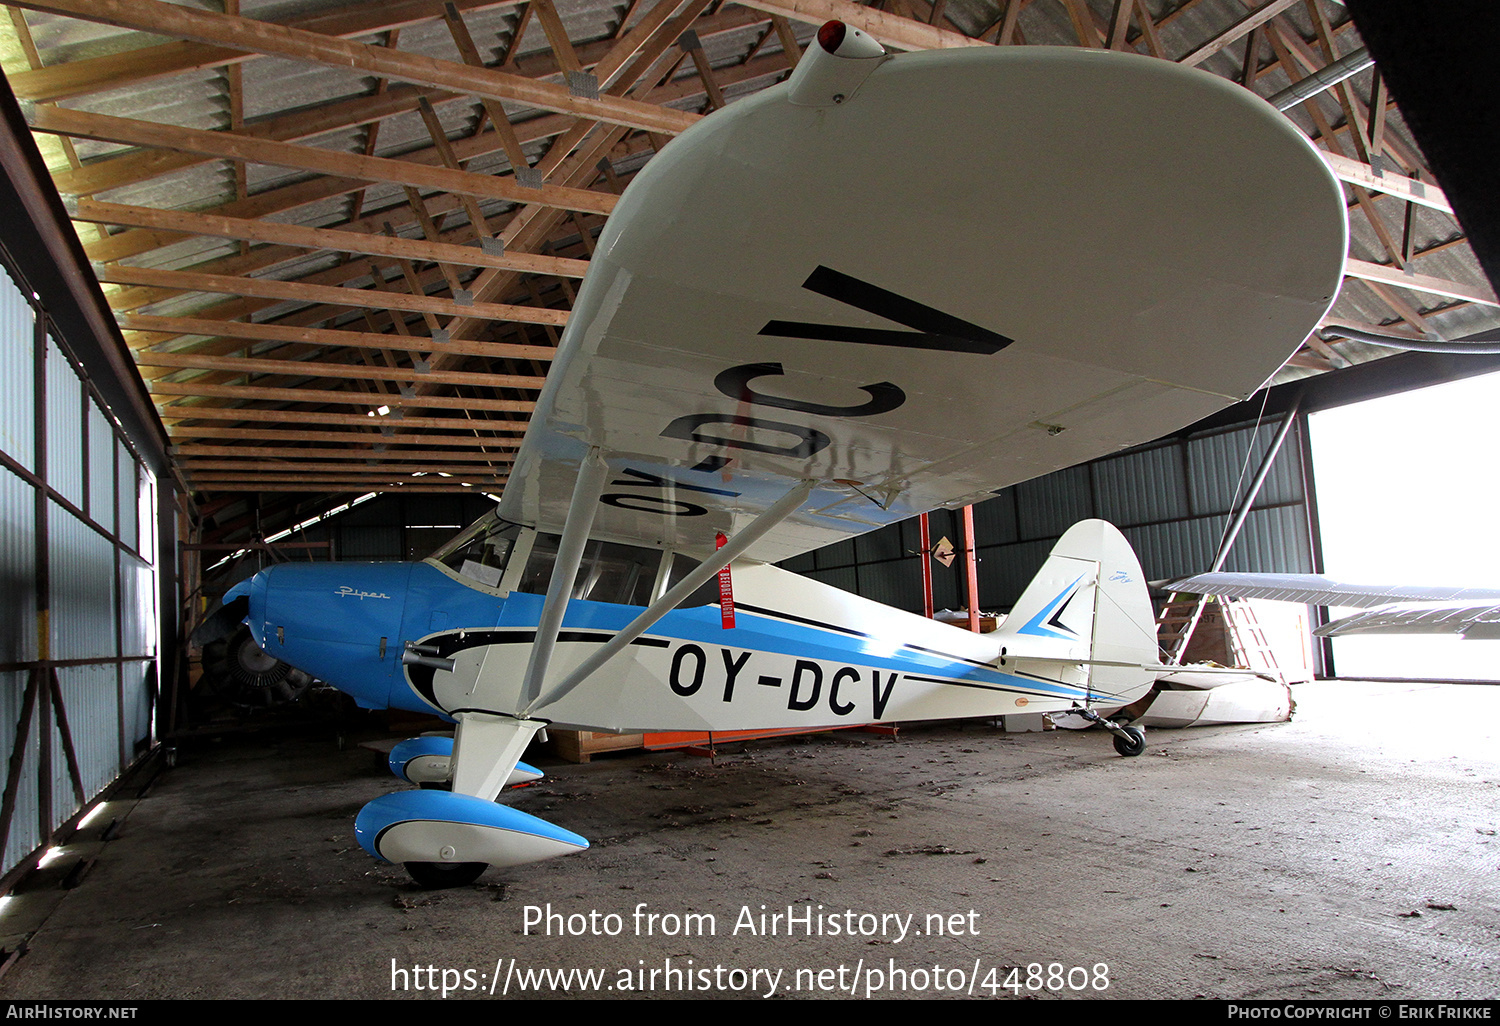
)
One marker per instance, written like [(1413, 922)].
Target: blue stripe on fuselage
[(762, 633)]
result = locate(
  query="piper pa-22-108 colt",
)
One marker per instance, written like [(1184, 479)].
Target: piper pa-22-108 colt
[(891, 284)]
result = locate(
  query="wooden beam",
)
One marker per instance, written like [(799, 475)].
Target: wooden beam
[(141, 165), (499, 119), (176, 412), (788, 39), (319, 369), (134, 242), (901, 33), (637, 48), (288, 478), (270, 288), (119, 70), (257, 452), (373, 400), (345, 440), (557, 36), (342, 487), (1083, 24), (229, 146), (189, 223), (531, 226), (262, 37), (450, 159), (1256, 18), (1119, 25), (693, 47), (1357, 173), (356, 465), (1303, 54), (284, 435), (328, 473), (1148, 29), (1367, 271)]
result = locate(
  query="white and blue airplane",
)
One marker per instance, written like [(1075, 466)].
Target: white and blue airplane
[(889, 285)]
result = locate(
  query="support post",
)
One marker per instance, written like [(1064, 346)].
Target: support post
[(926, 541), (1239, 521), (486, 747), (971, 569), (575, 536)]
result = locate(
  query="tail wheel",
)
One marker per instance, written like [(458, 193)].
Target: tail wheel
[(245, 676), (1135, 744), (436, 875)]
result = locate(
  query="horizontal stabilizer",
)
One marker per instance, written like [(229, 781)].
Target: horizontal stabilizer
[(1186, 671)]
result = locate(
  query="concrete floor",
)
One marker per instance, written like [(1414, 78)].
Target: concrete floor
[(1350, 854)]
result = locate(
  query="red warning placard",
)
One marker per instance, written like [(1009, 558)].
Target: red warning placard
[(726, 588)]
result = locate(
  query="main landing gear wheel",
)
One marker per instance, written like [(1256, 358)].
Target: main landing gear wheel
[(1135, 744), (436, 875)]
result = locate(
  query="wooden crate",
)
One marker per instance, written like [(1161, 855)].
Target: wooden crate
[(582, 745)]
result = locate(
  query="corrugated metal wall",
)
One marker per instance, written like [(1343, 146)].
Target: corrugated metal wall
[(78, 512), (388, 527), (1173, 499), (395, 527)]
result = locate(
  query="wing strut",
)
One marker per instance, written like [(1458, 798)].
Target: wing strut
[(743, 539), (575, 536)]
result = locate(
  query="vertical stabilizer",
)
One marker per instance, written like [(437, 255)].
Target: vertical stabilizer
[(1089, 602)]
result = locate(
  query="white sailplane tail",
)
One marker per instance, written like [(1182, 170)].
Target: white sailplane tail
[(1088, 604)]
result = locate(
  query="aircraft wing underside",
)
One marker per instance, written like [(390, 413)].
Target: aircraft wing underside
[(975, 269), (1389, 608), (1321, 590), (1475, 622)]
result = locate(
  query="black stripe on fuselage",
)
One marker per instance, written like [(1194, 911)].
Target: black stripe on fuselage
[(421, 677), (776, 614), (954, 658)]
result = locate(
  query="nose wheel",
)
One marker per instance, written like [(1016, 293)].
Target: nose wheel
[(437, 875)]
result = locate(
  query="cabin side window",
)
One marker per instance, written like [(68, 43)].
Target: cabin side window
[(609, 571), (705, 594)]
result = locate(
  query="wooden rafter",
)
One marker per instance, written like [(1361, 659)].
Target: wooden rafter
[(1249, 23), (188, 223), (298, 44), (311, 158), (325, 369), (269, 288)]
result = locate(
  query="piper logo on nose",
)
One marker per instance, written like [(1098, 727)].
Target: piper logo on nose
[(345, 591)]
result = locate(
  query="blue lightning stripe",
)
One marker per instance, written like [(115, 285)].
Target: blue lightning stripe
[(1035, 624)]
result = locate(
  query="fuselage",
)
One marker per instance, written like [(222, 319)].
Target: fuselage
[(801, 653)]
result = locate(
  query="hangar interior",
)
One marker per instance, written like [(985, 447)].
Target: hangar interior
[(283, 281)]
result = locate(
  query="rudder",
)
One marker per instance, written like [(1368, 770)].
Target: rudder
[(1089, 602)]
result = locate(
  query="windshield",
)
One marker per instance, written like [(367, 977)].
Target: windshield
[(480, 551), (607, 572)]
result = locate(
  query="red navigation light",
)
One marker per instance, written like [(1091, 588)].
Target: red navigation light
[(831, 35)]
